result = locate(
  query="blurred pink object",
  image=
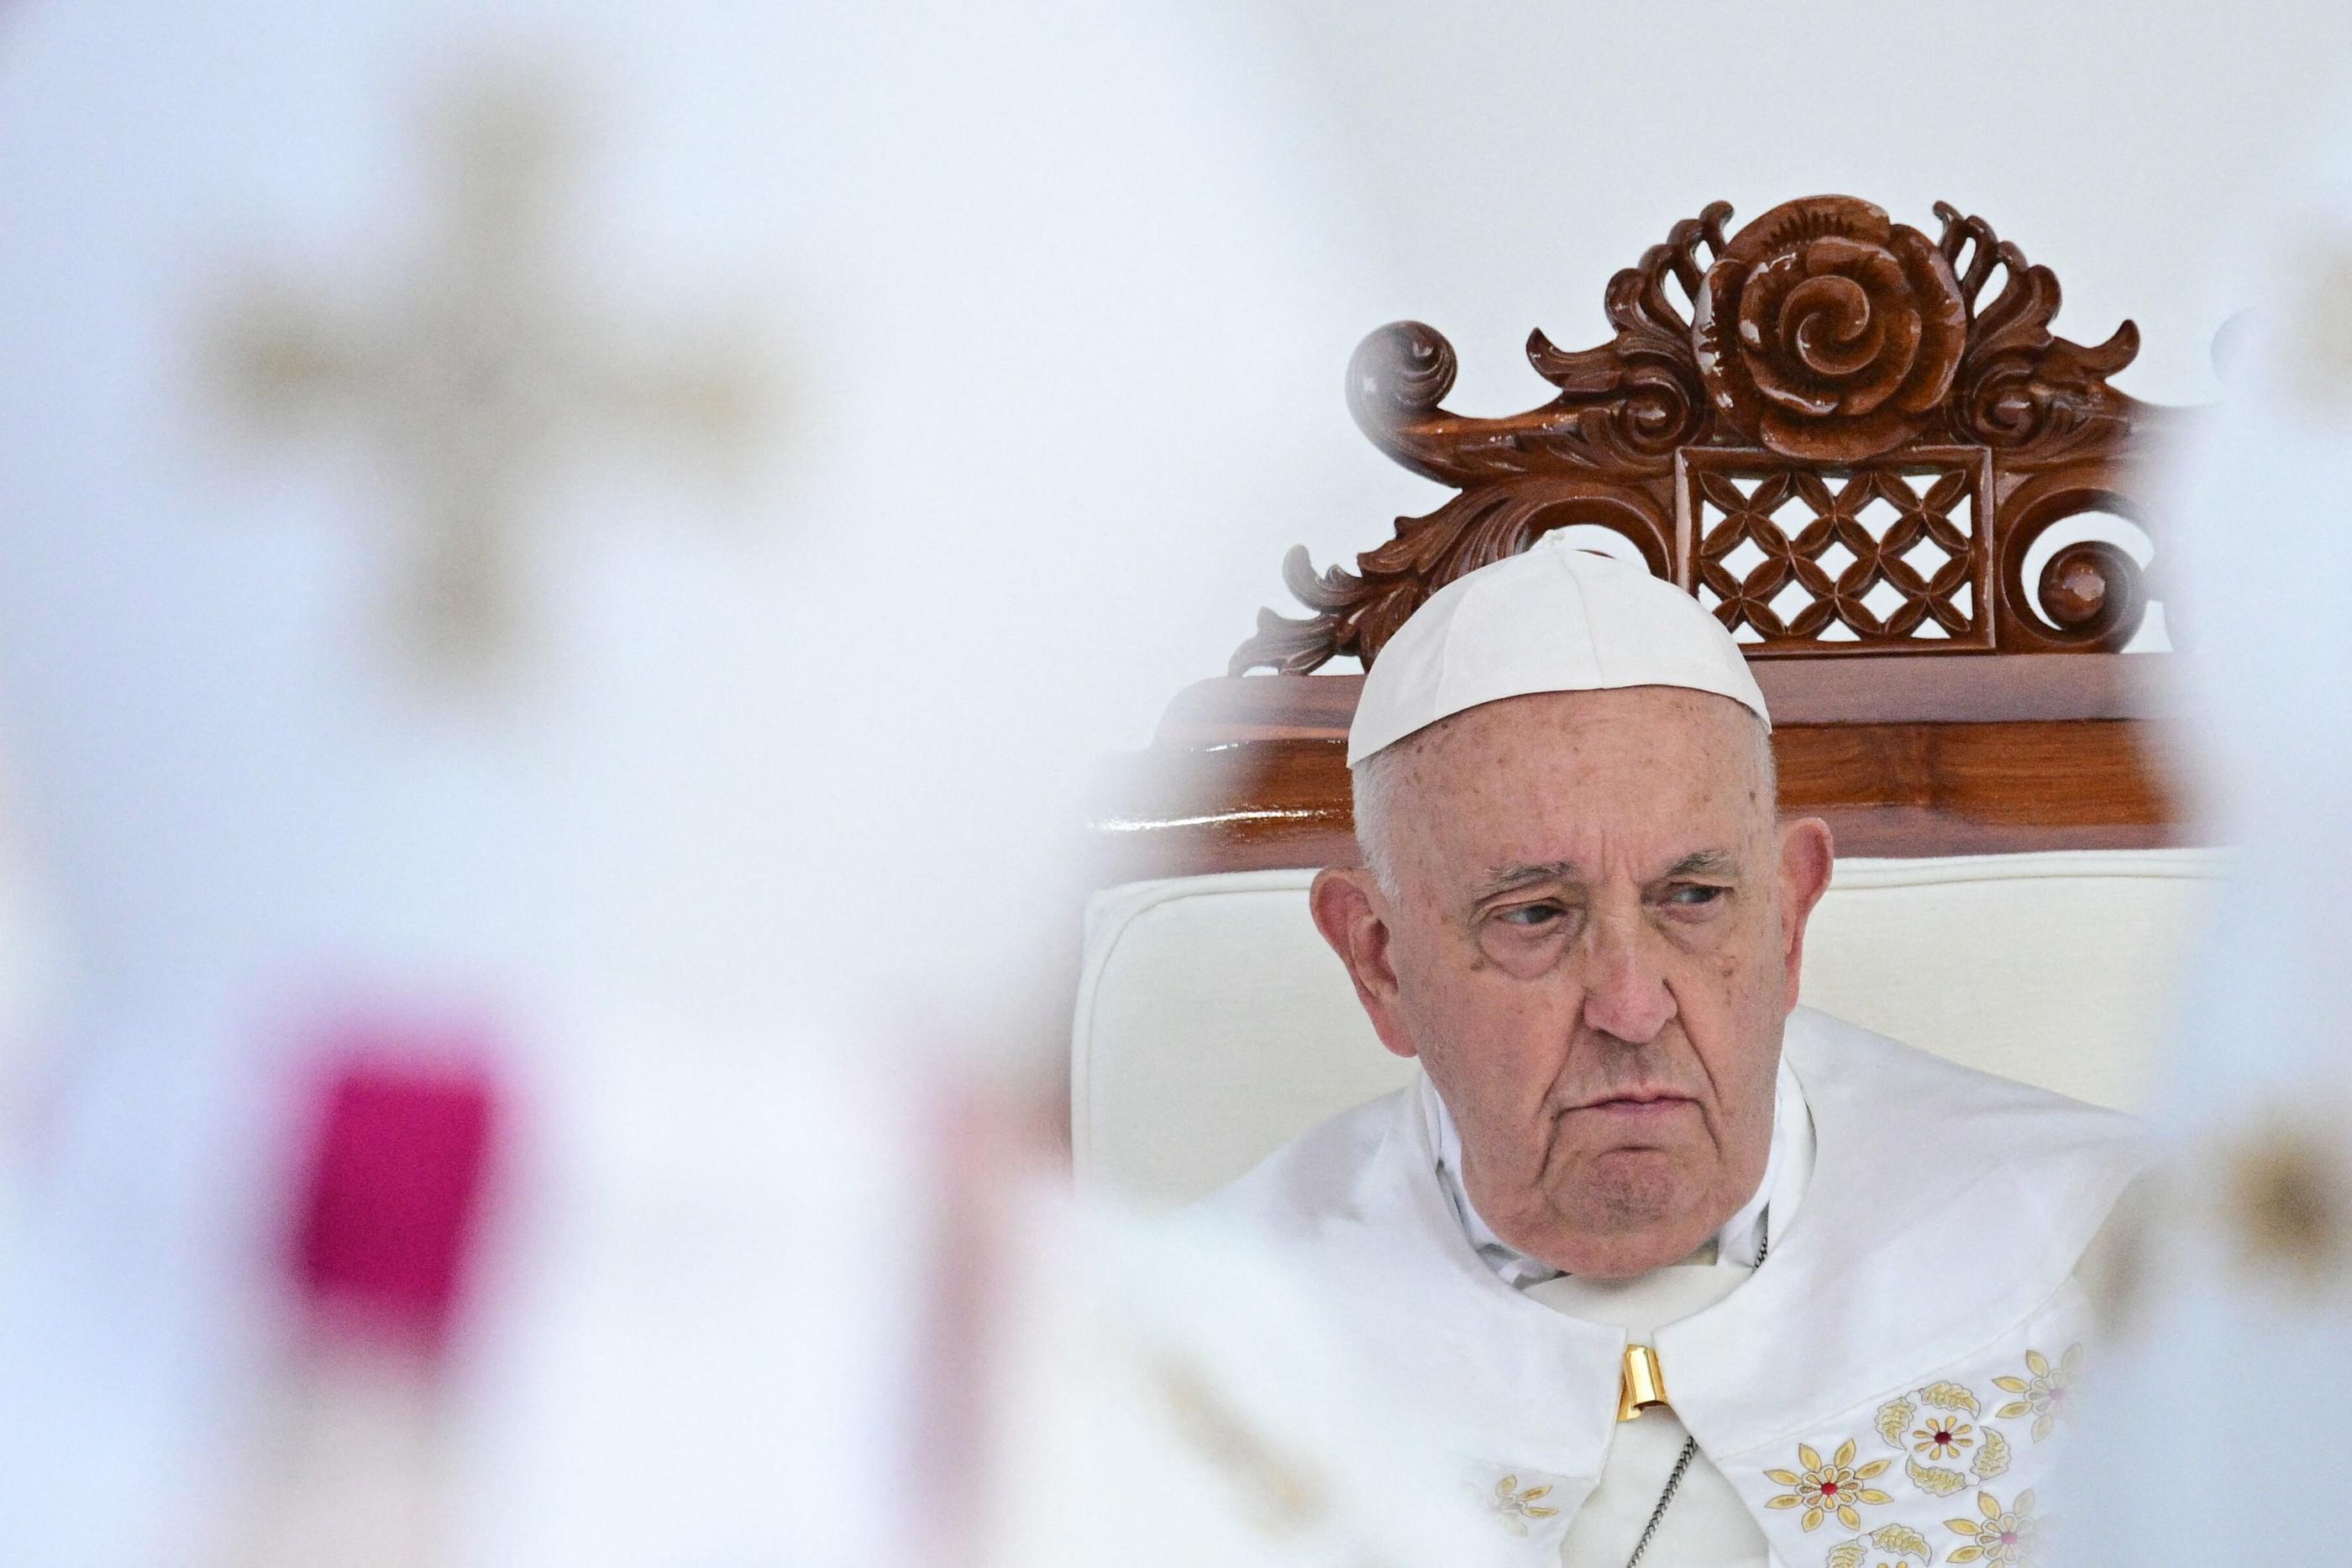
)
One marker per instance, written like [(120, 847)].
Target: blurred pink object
[(396, 1182)]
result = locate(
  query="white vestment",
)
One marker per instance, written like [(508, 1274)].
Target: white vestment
[(1707, 1526), (1897, 1369)]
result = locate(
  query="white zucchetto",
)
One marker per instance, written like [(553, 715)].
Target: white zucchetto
[(1555, 618)]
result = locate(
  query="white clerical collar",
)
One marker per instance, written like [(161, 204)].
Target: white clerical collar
[(1738, 1244)]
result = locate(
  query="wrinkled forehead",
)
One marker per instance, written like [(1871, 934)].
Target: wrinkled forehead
[(1645, 769)]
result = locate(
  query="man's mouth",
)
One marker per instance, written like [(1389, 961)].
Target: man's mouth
[(1639, 1104)]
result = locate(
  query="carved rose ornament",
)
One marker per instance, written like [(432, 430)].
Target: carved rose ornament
[(1829, 331)]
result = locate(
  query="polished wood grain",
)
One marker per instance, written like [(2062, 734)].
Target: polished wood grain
[(1896, 788), (1901, 756), (1991, 689)]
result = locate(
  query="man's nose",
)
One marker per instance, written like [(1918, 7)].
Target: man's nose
[(1625, 993)]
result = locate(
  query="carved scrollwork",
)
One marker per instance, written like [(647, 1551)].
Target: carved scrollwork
[(1400, 372), (2092, 590), (1623, 408), (2090, 594), (2020, 388), (1357, 612), (1822, 339), (1644, 378)]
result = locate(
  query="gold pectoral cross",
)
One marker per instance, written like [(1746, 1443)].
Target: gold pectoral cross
[(1642, 1385)]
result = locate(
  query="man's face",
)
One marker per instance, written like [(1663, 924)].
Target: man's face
[(1592, 943)]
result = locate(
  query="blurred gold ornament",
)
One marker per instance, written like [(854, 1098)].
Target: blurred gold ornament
[(473, 382), (1283, 1492), (2114, 1268), (2320, 332), (2285, 1204)]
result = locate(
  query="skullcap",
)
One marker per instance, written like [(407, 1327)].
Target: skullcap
[(1554, 618)]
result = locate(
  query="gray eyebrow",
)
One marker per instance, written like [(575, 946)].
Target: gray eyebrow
[(1519, 876), (1704, 862), (1698, 862)]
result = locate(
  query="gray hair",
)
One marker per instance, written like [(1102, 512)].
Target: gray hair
[(1372, 790)]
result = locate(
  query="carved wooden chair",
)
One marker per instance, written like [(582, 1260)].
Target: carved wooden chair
[(1923, 513)]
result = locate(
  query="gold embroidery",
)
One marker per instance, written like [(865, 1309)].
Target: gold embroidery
[(1901, 1540), (1950, 1397), (1948, 1442), (2044, 1393), (1898, 1540), (1943, 1438), (1832, 1490), (1933, 1482), (2002, 1535), (1516, 1508)]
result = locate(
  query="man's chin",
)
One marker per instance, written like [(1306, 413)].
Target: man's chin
[(1625, 1258), (1631, 1217)]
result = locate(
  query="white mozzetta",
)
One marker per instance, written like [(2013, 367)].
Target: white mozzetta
[(1927, 1278)]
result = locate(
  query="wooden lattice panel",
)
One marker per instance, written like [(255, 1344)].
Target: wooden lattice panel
[(1792, 557)]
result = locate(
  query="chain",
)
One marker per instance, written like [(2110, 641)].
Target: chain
[(1690, 1444), (1657, 1514)]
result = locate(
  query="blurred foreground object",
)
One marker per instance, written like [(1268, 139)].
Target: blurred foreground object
[(384, 1228), (647, 1274), (1124, 1420), (476, 370), (395, 1188), (2214, 1429)]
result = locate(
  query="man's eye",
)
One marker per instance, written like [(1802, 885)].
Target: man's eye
[(1696, 895), (1531, 916)]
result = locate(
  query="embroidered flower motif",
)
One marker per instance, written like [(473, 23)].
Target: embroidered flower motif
[(1945, 1437), (1516, 1508), (2003, 1535), (1828, 1490), (2044, 1393)]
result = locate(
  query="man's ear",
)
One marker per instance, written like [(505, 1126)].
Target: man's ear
[(1807, 854), (1348, 910)]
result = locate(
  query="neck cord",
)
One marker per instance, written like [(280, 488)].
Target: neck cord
[(1690, 1444)]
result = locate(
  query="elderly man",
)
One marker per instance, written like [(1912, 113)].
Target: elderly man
[(1682, 1273)]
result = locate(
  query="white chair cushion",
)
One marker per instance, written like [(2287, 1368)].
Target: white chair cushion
[(1214, 1025)]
